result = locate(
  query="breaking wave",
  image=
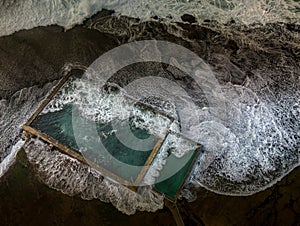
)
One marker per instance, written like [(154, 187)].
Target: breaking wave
[(14, 113), (71, 177), (10, 158), (252, 149), (95, 104), (27, 14)]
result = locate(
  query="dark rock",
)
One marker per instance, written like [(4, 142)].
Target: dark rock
[(155, 17), (293, 27), (188, 18), (35, 56)]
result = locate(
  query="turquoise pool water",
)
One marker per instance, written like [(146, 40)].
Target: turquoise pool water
[(59, 126)]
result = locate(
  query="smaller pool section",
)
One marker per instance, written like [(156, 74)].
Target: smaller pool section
[(174, 163)]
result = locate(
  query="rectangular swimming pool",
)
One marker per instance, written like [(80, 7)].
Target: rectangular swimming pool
[(121, 148)]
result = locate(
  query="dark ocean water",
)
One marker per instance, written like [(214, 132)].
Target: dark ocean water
[(25, 200)]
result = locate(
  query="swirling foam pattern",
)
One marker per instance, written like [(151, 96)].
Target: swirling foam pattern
[(18, 15)]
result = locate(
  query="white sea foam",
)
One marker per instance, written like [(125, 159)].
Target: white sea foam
[(253, 147), (9, 160), (15, 111), (71, 177), (97, 105), (18, 15), (175, 144)]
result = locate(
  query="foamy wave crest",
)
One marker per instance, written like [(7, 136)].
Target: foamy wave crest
[(18, 15), (180, 146), (254, 147), (71, 177), (174, 144), (15, 111), (97, 105), (9, 160)]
